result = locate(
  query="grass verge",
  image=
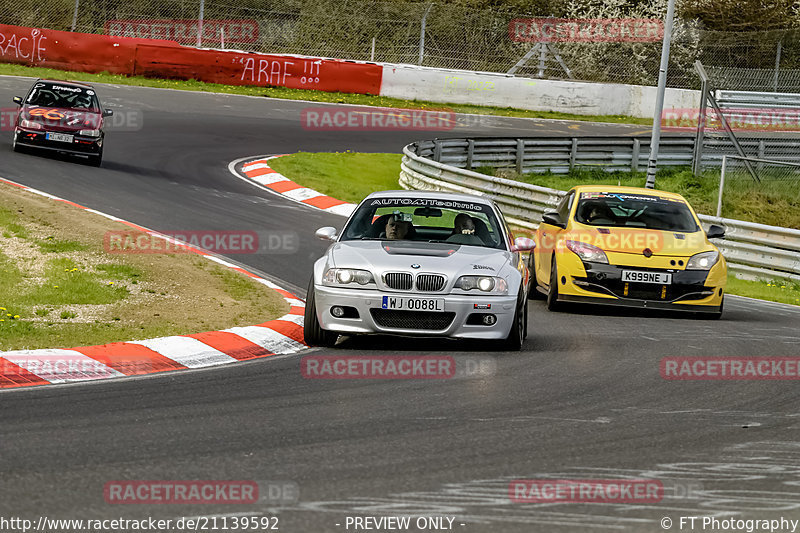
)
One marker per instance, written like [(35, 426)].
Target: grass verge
[(308, 95), (347, 176), (351, 176), (774, 291), (59, 288)]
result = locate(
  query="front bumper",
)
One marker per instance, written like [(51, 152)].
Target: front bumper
[(454, 322), (602, 284), (79, 145)]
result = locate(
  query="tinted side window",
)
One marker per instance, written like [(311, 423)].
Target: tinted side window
[(565, 206)]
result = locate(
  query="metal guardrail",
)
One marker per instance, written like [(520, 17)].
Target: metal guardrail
[(560, 155), (757, 100), (752, 250)]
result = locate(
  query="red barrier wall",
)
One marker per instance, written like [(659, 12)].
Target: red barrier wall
[(83, 52), (238, 68), (166, 59)]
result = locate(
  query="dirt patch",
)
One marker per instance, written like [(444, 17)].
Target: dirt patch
[(167, 295)]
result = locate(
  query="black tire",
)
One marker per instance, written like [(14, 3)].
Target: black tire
[(518, 332), (552, 293), (16, 146), (533, 284), (96, 160), (313, 333), (713, 315), (525, 319)]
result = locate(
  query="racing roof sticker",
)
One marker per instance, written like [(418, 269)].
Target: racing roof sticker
[(69, 89), (90, 93), (621, 196), (427, 202)]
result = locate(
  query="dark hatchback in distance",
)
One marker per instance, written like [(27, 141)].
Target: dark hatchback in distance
[(61, 116)]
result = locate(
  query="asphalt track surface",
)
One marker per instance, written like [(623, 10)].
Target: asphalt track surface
[(583, 400)]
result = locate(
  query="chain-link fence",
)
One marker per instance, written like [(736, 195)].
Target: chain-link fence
[(777, 184), (455, 36)]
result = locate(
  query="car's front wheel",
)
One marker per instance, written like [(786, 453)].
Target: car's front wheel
[(533, 284), (713, 315), (96, 160), (15, 145), (519, 328), (552, 292), (312, 331)]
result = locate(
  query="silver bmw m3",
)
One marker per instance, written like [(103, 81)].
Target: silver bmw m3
[(419, 263)]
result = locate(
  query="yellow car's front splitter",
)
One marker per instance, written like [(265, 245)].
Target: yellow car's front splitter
[(687, 290)]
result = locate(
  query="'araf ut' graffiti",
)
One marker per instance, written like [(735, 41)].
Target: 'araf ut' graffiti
[(23, 47), (273, 72)]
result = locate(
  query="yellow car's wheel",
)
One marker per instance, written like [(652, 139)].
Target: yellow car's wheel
[(552, 293), (712, 315), (533, 284)]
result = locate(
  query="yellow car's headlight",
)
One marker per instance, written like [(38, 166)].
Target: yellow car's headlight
[(587, 252), (702, 261)]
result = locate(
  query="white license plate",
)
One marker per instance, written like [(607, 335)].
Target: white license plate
[(636, 276), (63, 137), (413, 304)]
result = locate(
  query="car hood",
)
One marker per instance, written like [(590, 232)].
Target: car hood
[(635, 240), (60, 119), (452, 260)]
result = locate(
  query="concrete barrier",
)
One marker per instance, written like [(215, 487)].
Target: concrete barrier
[(491, 89)]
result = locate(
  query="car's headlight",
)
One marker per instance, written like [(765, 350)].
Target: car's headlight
[(90, 133), (702, 261), (30, 124), (482, 283), (346, 276), (587, 252)]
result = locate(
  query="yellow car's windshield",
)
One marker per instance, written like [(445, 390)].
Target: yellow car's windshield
[(634, 211)]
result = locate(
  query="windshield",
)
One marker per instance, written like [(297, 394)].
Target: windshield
[(63, 96), (634, 211), (426, 220)]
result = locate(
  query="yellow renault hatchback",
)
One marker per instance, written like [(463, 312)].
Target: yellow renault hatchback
[(628, 246)]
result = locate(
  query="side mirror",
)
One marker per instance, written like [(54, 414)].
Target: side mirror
[(327, 233), (554, 219), (108, 112), (715, 232), (18, 100), (523, 244)]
